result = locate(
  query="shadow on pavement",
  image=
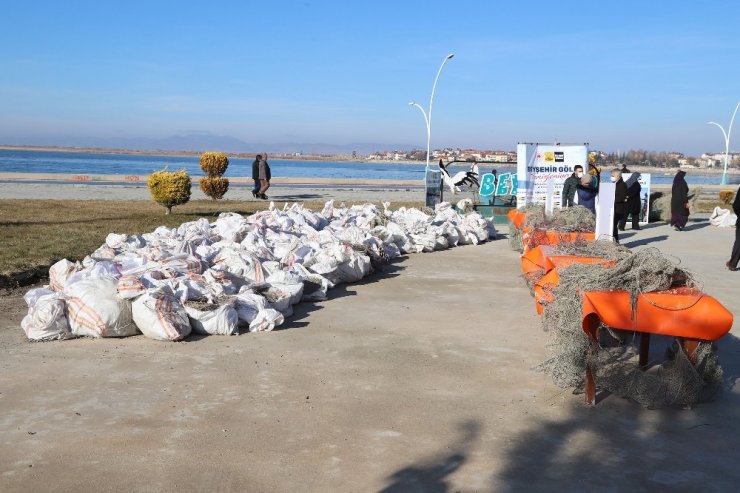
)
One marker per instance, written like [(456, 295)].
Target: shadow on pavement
[(697, 224), (646, 241), (619, 446), (430, 475)]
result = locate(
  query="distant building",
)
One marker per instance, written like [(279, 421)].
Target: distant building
[(717, 159)]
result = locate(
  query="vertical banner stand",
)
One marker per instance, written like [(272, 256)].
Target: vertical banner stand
[(605, 211), (433, 187)]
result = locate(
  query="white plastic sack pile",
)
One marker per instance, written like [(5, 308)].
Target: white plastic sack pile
[(249, 270), (723, 218)]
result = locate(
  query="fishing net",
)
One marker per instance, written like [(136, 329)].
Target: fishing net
[(515, 238), (535, 215), (614, 358), (608, 250), (576, 219)]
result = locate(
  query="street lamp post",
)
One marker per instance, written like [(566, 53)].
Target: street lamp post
[(727, 136), (428, 115)]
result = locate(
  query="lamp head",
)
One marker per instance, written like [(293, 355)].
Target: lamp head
[(450, 55), (412, 103)]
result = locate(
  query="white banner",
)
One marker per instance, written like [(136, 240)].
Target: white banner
[(541, 164)]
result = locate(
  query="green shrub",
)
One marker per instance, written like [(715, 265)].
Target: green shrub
[(214, 186), (169, 188)]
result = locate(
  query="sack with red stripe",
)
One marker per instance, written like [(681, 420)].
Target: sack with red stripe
[(94, 309)]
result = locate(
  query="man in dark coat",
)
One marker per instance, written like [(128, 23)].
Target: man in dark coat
[(620, 201), (735, 257), (256, 175), (571, 186), (679, 201), (634, 202)]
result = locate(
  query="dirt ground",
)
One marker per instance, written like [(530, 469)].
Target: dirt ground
[(418, 379)]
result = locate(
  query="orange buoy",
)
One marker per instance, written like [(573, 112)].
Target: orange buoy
[(681, 312), (517, 218), (532, 238)]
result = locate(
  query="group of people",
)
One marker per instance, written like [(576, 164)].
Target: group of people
[(627, 200), (261, 176)]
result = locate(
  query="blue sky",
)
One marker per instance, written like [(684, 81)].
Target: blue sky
[(619, 75)]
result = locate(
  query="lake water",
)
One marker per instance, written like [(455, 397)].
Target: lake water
[(127, 164)]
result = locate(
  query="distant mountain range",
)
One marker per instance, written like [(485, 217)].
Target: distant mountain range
[(204, 142)]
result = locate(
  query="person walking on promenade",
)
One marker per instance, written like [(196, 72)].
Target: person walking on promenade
[(679, 202), (256, 175), (264, 176), (571, 186), (620, 201), (735, 257), (587, 191), (634, 202)]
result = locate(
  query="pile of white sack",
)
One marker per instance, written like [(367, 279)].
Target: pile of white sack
[(722, 218), (235, 273)]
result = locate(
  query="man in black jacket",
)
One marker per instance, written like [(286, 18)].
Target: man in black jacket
[(256, 175), (633, 206), (571, 186), (735, 257), (620, 201)]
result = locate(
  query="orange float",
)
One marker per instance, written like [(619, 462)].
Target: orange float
[(686, 313), (532, 238), (543, 288), (543, 258), (517, 218)]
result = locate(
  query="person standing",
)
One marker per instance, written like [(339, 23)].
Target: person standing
[(264, 176), (620, 201), (571, 186), (679, 202), (256, 175), (634, 202), (735, 257), (587, 191)]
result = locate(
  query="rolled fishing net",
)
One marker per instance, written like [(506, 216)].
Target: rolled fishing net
[(614, 357)]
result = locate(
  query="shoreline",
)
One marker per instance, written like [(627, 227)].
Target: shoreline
[(318, 158), (164, 153)]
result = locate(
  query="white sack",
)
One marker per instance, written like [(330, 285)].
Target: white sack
[(60, 272), (722, 218), (95, 310), (223, 320), (46, 319), (159, 315)]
